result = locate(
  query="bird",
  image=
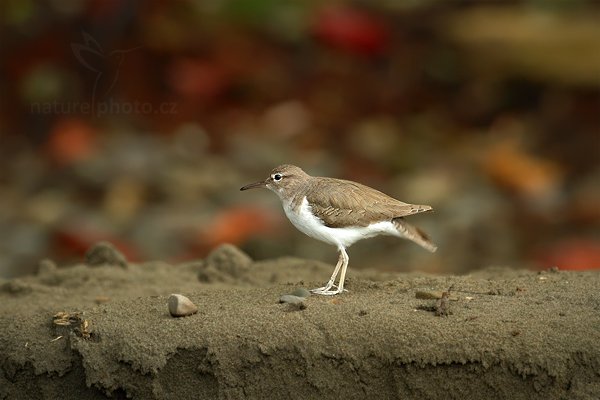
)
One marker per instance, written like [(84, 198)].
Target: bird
[(340, 212)]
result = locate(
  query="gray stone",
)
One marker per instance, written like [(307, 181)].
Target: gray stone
[(294, 301), (301, 292)]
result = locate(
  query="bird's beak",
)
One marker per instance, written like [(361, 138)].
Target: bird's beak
[(261, 184)]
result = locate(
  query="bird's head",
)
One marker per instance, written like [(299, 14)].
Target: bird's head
[(281, 180)]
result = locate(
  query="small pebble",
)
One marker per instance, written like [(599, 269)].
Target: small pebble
[(295, 301), (181, 306)]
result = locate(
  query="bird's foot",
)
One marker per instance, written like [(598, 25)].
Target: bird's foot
[(328, 290)]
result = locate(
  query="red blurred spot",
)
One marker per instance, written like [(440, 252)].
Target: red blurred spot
[(512, 167), (71, 140), (197, 78), (571, 254), (352, 30), (74, 243), (236, 225)]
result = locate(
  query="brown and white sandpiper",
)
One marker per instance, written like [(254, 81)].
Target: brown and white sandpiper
[(340, 212)]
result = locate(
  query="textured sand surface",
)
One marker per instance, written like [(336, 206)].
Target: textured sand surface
[(509, 334)]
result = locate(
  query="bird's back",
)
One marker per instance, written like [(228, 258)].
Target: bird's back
[(342, 203)]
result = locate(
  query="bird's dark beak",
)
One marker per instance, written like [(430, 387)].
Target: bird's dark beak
[(261, 184)]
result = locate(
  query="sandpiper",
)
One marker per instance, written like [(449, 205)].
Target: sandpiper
[(340, 212)]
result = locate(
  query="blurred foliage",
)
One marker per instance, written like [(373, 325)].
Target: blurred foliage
[(137, 122)]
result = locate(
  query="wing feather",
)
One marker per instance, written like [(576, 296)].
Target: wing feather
[(340, 203)]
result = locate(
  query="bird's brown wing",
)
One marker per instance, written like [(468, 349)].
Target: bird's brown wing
[(340, 203)]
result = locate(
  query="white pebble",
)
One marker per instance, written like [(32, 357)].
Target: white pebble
[(181, 306)]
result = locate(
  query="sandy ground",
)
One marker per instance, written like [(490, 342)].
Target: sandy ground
[(508, 334)]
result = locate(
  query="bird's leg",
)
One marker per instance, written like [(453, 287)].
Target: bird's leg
[(342, 263), (330, 284), (344, 268)]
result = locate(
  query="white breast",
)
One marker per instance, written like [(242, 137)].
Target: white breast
[(312, 226)]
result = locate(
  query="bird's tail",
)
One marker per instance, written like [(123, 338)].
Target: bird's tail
[(413, 233)]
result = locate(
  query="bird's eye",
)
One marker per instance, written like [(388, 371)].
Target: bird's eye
[(277, 177)]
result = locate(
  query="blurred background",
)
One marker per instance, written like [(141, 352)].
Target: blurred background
[(138, 122)]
